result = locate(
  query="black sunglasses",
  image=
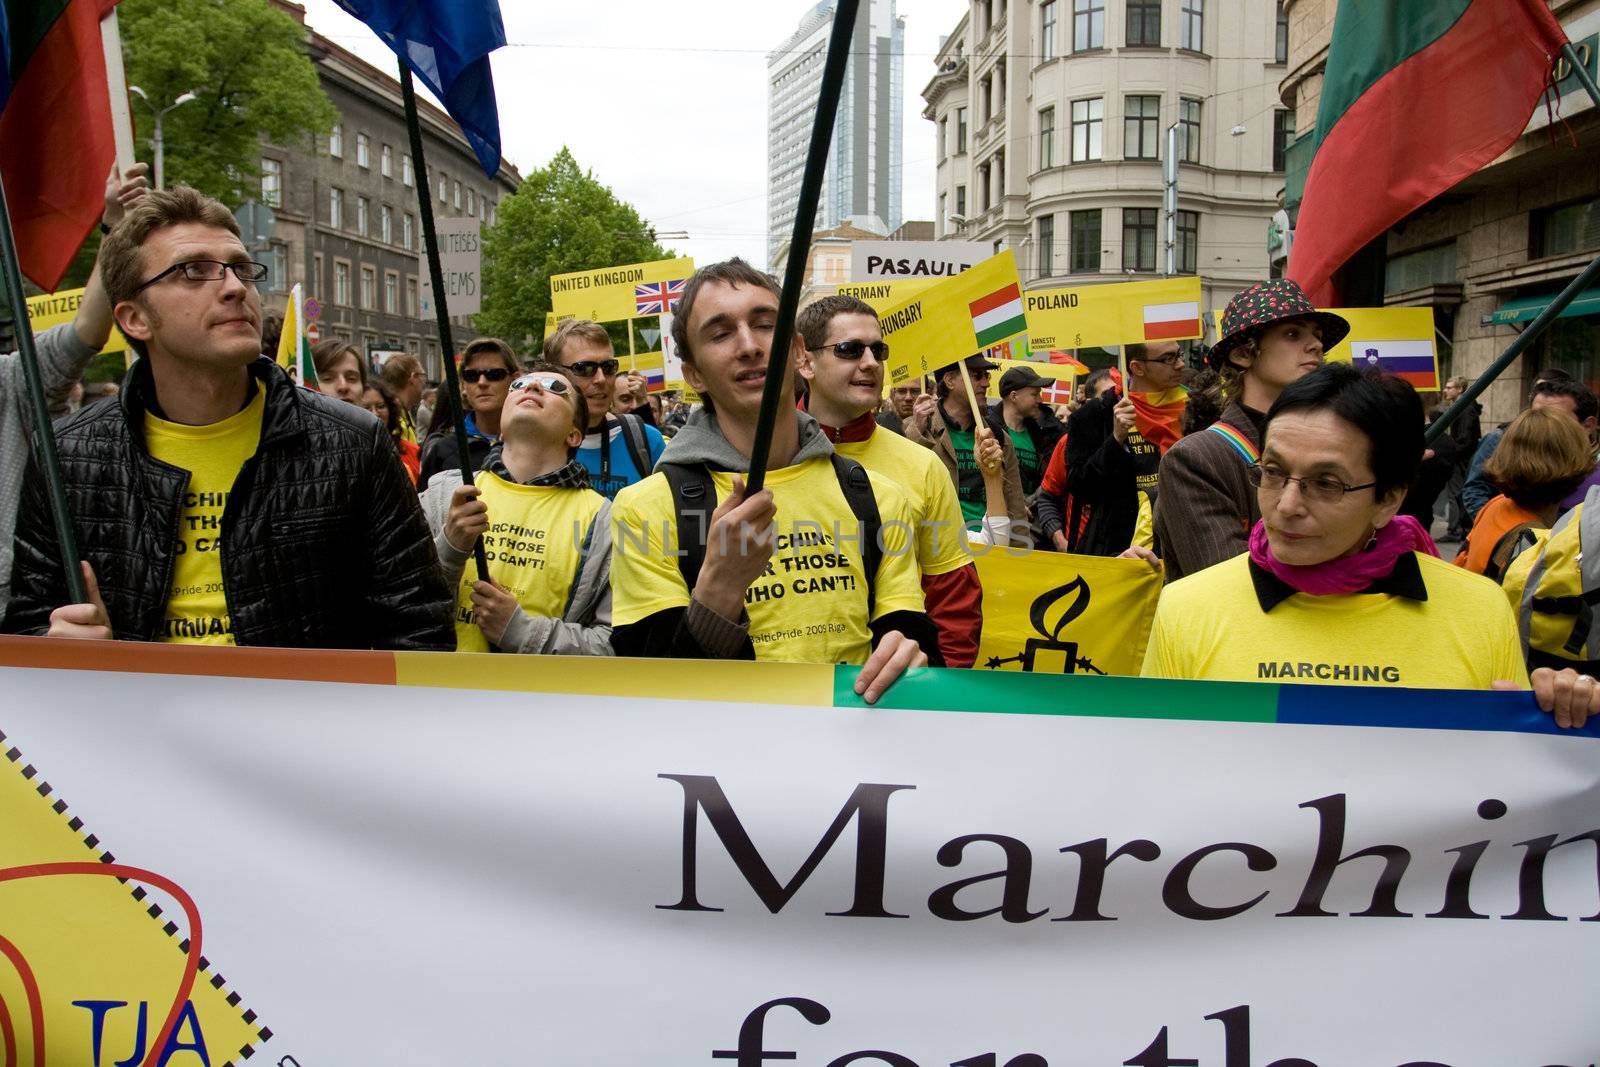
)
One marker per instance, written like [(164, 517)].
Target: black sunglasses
[(856, 349), (210, 270), (587, 368), (472, 375)]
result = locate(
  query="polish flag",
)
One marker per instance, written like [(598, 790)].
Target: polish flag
[(1171, 322)]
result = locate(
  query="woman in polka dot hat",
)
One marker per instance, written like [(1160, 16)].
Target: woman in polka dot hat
[(1271, 336)]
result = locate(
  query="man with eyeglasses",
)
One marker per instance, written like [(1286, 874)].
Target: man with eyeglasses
[(215, 502), (487, 367), (843, 366), (1114, 448), (546, 533), (617, 450)]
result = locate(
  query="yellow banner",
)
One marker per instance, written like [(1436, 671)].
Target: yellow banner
[(610, 294), (1061, 372), (953, 319), (885, 295), (1094, 316), (1398, 341), (53, 309), (1054, 613), (552, 320)]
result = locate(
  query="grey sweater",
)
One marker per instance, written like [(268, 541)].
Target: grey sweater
[(62, 357)]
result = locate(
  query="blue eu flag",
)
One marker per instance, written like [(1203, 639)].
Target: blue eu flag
[(447, 43)]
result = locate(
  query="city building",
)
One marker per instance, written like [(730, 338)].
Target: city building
[(862, 184), (1489, 254), (347, 223), (1051, 123)]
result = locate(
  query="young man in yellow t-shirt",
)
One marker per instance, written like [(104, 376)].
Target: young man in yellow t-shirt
[(784, 574), (842, 364), (545, 532)]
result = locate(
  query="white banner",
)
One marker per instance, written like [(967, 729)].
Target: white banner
[(409, 875), (461, 263), (870, 260)]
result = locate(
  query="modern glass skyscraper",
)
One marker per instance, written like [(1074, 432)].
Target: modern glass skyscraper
[(863, 179)]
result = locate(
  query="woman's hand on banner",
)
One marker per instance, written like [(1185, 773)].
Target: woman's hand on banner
[(86, 622), (739, 543), (492, 608), (893, 656), (1567, 695), (467, 520)]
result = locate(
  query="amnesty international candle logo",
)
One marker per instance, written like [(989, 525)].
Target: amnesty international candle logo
[(92, 971), (1064, 605)]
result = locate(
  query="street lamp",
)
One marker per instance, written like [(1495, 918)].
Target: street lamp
[(156, 141)]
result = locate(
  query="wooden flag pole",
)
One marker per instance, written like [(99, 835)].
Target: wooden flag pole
[(805, 217), (44, 438), (972, 397), (430, 241)]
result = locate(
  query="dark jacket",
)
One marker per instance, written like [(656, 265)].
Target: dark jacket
[(1101, 472), (937, 437), (439, 452), (1207, 505), (1045, 430), (323, 542)]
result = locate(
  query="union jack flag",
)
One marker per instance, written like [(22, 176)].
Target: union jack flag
[(658, 298)]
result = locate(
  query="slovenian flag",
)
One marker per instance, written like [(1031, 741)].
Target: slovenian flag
[(294, 351), (1171, 322), (1410, 361), (998, 316)]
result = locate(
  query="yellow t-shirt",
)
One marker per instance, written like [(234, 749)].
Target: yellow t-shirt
[(930, 493), (811, 605), (197, 607), (536, 535), (1210, 625)]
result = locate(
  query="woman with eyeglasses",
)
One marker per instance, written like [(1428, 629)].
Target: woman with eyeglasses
[(487, 367), (1337, 587)]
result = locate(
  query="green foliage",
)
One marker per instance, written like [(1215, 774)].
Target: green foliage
[(246, 62), (560, 220)]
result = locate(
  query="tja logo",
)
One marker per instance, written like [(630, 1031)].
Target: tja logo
[(1041, 652)]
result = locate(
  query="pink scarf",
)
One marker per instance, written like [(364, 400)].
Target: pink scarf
[(1350, 574)]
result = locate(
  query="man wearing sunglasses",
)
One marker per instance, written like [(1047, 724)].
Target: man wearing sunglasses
[(1114, 448), (618, 450), (216, 502), (487, 367), (843, 365), (546, 533), (703, 570)]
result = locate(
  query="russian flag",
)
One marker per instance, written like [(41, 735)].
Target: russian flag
[(1171, 322), (655, 378), (1411, 361)]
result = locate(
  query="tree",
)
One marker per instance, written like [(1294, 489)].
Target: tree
[(245, 61), (560, 220)]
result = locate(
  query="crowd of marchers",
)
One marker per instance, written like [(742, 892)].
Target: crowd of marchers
[(1288, 502)]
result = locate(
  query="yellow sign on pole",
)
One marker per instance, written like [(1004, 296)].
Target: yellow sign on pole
[(1397, 341), (53, 309), (1061, 372), (1095, 316), (953, 319), (883, 295), (633, 291)]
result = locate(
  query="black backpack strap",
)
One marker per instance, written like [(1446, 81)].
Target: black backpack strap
[(857, 488), (1512, 542), (694, 498), (638, 444)]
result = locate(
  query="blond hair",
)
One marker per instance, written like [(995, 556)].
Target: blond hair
[(582, 329), (1542, 458)]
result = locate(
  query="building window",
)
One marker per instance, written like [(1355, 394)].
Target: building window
[(983, 188), (1139, 238), (363, 208), (1047, 245), (406, 233), (411, 297), (336, 141), (1188, 242), (1047, 29), (944, 216), (386, 224), (986, 94), (1144, 23), (961, 201), (1189, 130), (1424, 267), (961, 131), (363, 154), (341, 282), (999, 175), (944, 137), (407, 177), (1558, 231), (457, 197), (1088, 24), (1088, 130), (369, 288), (391, 292), (1085, 238), (1047, 137), (315, 285), (444, 189), (336, 208), (278, 267), (1192, 24), (1141, 127), (272, 183), (1280, 47), (386, 161), (1282, 134), (472, 203)]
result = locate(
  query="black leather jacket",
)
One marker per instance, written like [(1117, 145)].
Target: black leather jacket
[(323, 542)]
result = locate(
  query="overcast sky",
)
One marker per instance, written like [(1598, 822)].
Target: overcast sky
[(666, 104)]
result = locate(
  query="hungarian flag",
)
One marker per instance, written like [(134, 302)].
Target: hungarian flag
[(1417, 96), (294, 350), (56, 143), (998, 316)]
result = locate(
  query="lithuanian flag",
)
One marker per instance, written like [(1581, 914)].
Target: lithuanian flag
[(294, 351), (56, 143), (1416, 97)]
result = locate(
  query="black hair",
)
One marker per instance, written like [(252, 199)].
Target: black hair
[(1585, 404), (815, 318), (1094, 379), (1384, 408)]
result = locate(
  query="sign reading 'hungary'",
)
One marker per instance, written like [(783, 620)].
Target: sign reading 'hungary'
[(953, 319)]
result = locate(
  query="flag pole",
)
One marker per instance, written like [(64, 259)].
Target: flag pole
[(805, 217), (430, 241), (44, 436)]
